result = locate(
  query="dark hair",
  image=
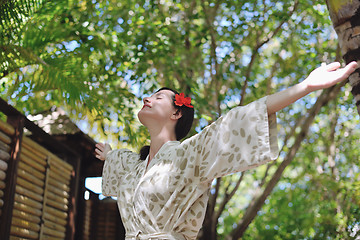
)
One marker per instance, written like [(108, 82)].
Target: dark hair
[(182, 126)]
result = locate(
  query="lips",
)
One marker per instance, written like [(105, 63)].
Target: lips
[(146, 105)]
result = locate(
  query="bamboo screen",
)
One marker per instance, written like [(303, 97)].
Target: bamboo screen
[(42, 193), (108, 220), (88, 212)]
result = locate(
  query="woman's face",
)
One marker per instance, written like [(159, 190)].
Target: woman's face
[(157, 108)]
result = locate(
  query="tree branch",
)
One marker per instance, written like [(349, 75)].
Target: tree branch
[(214, 65), (226, 199), (255, 51), (258, 200)]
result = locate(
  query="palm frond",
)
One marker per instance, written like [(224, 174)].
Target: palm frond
[(13, 57), (13, 14)]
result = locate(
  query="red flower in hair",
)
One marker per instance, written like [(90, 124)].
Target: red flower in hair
[(181, 100)]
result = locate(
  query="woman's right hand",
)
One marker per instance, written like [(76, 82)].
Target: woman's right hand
[(101, 150)]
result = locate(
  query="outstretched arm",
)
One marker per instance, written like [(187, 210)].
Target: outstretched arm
[(322, 77)]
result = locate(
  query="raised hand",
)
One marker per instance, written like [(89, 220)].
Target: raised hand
[(322, 77), (328, 75), (101, 150)]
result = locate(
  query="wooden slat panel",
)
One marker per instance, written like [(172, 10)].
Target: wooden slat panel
[(20, 232), (27, 209), (87, 220), (63, 174), (2, 175), (55, 219), (58, 177), (42, 192), (26, 216), (26, 184), (25, 224), (55, 160), (43, 150), (2, 185), (54, 163), (57, 205), (32, 163), (28, 193), (5, 138), (17, 238), (55, 226), (55, 212), (29, 177), (27, 201), (47, 237), (59, 185), (7, 128), (4, 155), (32, 171), (3, 165), (34, 150), (54, 197), (5, 147), (39, 160), (59, 192), (53, 232)]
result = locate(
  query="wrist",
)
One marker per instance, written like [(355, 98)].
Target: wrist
[(304, 87)]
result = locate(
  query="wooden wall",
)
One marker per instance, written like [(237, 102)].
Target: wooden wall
[(42, 185), (102, 220)]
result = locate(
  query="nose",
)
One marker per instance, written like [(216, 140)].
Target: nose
[(146, 100)]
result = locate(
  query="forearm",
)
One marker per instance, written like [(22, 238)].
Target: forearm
[(282, 99), (322, 77)]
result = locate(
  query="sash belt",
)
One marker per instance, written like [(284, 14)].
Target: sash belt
[(153, 236)]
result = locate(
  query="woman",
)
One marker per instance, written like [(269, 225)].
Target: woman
[(163, 191)]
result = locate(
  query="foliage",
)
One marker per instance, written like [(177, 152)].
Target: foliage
[(98, 59)]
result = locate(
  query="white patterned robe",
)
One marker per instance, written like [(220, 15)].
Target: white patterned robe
[(168, 199)]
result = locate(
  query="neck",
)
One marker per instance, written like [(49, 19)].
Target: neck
[(158, 139)]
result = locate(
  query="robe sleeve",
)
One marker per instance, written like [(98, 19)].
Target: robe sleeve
[(115, 166), (242, 139)]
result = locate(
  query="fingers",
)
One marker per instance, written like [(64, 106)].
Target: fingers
[(349, 69), (332, 66), (99, 151), (339, 74), (100, 146), (98, 154), (335, 65), (352, 66)]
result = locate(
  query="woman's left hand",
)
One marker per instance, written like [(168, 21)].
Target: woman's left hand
[(328, 75)]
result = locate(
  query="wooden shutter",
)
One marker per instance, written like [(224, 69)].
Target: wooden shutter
[(42, 193), (41, 201)]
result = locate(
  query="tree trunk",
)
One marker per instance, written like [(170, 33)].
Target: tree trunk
[(345, 15)]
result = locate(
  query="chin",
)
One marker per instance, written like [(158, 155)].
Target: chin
[(141, 116)]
